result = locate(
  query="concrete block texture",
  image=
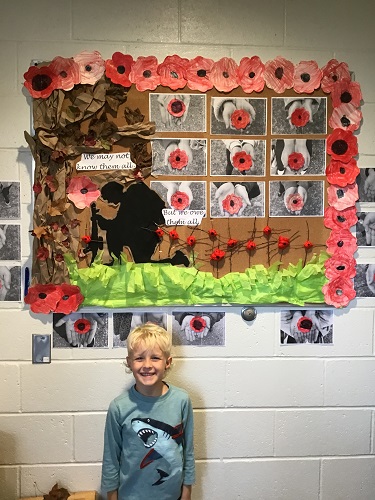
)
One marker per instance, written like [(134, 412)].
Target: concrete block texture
[(10, 387)]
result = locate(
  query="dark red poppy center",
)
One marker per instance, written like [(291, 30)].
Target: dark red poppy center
[(251, 74), (177, 106), (305, 77), (202, 73), (279, 72), (63, 74), (88, 67), (41, 82), (178, 158), (306, 324), (339, 292), (84, 191), (340, 268), (174, 74), (346, 97), (121, 69), (242, 160), (197, 324), (335, 78), (295, 202), (147, 73), (340, 218), (340, 147), (342, 170), (65, 297), (225, 74), (81, 326), (231, 203), (340, 243), (42, 295), (340, 193)]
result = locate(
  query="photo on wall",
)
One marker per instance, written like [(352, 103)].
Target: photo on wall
[(237, 199), (124, 323), (305, 198), (178, 112), (298, 157), (238, 157), (366, 185), (10, 283), (299, 115), (314, 326), (10, 242), (238, 116), (365, 229), (364, 280), (184, 195), (80, 330), (198, 328), (179, 156), (10, 207)]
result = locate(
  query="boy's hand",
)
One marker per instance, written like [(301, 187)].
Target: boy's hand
[(186, 492)]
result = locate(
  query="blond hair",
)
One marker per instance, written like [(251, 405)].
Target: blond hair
[(150, 335)]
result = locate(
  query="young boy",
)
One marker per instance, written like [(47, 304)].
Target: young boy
[(148, 440)]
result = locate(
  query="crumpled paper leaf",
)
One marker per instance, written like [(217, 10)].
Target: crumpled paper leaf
[(57, 493), (47, 112), (116, 95), (133, 116)]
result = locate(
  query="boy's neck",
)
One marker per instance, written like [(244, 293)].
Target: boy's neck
[(153, 391)]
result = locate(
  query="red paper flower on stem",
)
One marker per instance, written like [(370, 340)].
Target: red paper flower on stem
[(340, 219), (180, 200), (217, 255), (294, 202), (178, 159), (86, 238), (159, 232), (300, 117), (71, 299), (118, 68), (242, 161), (144, 73), (198, 324), (342, 174), (212, 233), (250, 74), (308, 245), (91, 66), (342, 197), (67, 71), (333, 72), (40, 82), (304, 324), (232, 204), (345, 92), (307, 77), (278, 74), (198, 72), (283, 242), (42, 253), (172, 72), (251, 245), (342, 145), (267, 230), (173, 234), (340, 265), (82, 191), (240, 119), (231, 243), (341, 241), (176, 108), (191, 241), (224, 74), (82, 326), (345, 116), (43, 298), (339, 292), (37, 188), (296, 161)]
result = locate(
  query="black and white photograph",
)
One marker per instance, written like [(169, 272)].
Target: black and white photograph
[(179, 156), (237, 199), (10, 242), (198, 328), (238, 116), (364, 280), (10, 207), (178, 112), (366, 185), (238, 157), (310, 326), (185, 195), (365, 229), (124, 323), (298, 157), (10, 283), (80, 330), (41, 349), (305, 198), (299, 115)]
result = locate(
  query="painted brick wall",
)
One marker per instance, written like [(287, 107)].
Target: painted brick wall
[(272, 423)]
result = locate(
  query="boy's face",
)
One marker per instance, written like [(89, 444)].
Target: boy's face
[(148, 367)]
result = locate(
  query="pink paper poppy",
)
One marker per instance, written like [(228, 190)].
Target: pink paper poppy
[(173, 234), (250, 74), (172, 72), (240, 119), (342, 197), (342, 174), (232, 204), (304, 324), (345, 116), (217, 255), (333, 72), (345, 92), (144, 73), (198, 324), (178, 159), (307, 77), (42, 253), (341, 241), (176, 108), (242, 161), (278, 74), (43, 298), (180, 200), (82, 191), (296, 161), (118, 68), (231, 243), (191, 241), (294, 202), (67, 71), (91, 66), (40, 82), (340, 219), (300, 117), (340, 265), (342, 145), (70, 300), (224, 74), (251, 245), (198, 72), (339, 292), (82, 326), (283, 242)]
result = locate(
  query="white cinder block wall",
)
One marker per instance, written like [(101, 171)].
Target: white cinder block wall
[(272, 423)]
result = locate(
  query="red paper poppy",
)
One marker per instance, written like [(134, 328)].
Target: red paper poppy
[(59, 257), (278, 74), (242, 161), (173, 234), (232, 204), (267, 230), (176, 108), (37, 188), (43, 298), (212, 233), (343, 219), (172, 72), (333, 72), (342, 174), (296, 161), (231, 243), (191, 241), (86, 238), (118, 68), (42, 253), (180, 200), (304, 324), (341, 241), (178, 159), (198, 324), (342, 197), (283, 242), (224, 74), (67, 71), (70, 300), (64, 229), (159, 232), (198, 72), (51, 183), (339, 292), (294, 202), (345, 116), (307, 77), (240, 119), (82, 326), (340, 265), (82, 191), (251, 245), (217, 255), (250, 74), (144, 73), (308, 245), (342, 145), (300, 117), (345, 92), (40, 82), (91, 66)]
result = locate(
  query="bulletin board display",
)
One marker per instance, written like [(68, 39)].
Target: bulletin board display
[(192, 182)]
